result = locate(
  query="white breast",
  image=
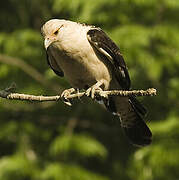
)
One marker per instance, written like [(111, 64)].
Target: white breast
[(82, 65)]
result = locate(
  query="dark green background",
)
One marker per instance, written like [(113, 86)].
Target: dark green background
[(51, 141)]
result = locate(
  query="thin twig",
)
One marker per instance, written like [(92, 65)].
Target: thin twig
[(18, 96)]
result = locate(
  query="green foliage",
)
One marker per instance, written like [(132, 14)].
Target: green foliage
[(58, 171), (7, 130), (161, 158), (16, 167), (38, 141), (80, 144)]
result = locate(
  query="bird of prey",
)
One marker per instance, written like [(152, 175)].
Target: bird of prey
[(90, 60)]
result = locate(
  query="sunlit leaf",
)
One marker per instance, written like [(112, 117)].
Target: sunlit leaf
[(81, 144)]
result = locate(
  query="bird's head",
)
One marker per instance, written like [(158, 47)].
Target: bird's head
[(52, 31)]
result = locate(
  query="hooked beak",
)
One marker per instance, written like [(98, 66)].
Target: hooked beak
[(47, 43)]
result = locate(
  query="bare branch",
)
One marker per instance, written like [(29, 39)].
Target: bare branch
[(8, 94)]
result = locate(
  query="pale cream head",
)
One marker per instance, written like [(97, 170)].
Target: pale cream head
[(52, 29)]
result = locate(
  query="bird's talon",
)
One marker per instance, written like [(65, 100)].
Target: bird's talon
[(103, 94), (68, 103), (91, 91), (88, 92), (65, 94)]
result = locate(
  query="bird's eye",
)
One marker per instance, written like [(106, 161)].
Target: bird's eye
[(56, 32)]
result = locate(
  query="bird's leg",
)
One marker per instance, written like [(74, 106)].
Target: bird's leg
[(78, 91), (91, 91), (65, 95)]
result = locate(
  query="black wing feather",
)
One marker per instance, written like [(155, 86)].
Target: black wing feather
[(99, 38), (52, 63)]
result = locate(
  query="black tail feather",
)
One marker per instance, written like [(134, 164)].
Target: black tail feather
[(134, 127), (139, 134), (137, 105)]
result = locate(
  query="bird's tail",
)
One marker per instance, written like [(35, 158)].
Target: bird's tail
[(131, 111), (136, 130)]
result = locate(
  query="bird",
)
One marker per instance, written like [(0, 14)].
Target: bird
[(90, 60)]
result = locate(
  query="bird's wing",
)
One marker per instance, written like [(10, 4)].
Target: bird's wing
[(108, 48), (52, 63)]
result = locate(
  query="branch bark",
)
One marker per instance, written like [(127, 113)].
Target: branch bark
[(8, 94)]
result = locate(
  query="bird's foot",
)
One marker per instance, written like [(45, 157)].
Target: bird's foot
[(90, 92), (103, 94), (65, 94)]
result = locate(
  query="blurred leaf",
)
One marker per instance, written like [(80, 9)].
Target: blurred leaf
[(155, 162), (58, 171), (174, 88), (81, 144), (166, 129), (4, 70), (8, 130), (16, 167)]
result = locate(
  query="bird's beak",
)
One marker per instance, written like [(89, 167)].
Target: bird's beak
[(47, 42)]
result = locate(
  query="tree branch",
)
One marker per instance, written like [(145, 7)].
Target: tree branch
[(8, 94)]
